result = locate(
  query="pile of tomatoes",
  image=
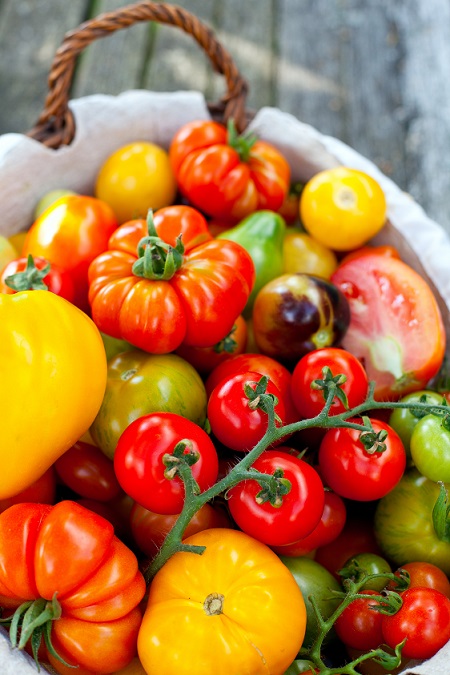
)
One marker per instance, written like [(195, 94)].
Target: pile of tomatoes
[(149, 333)]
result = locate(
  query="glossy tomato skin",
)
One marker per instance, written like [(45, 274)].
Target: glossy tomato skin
[(263, 611), (85, 470), (359, 626), (57, 279), (393, 314), (411, 503), (342, 207), (68, 550), (139, 383), (430, 448), (305, 255), (135, 178), (329, 527), (297, 515), (423, 619), (139, 460), (197, 304), (404, 420), (232, 419), (149, 529), (353, 472), (297, 313), (424, 574), (309, 402), (212, 176), (70, 233), (42, 491)]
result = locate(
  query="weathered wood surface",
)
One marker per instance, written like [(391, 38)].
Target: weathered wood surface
[(373, 73)]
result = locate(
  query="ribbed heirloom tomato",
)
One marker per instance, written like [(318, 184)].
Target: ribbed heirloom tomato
[(167, 282)]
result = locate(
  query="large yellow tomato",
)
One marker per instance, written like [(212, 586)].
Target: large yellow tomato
[(136, 178), (234, 610), (342, 208), (53, 378)]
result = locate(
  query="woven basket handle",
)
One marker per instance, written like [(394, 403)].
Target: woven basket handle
[(56, 127)]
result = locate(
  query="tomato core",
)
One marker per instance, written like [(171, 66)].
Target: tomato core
[(213, 604)]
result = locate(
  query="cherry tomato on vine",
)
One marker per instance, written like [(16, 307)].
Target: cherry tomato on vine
[(342, 207), (270, 514), (36, 273), (226, 176), (233, 417), (425, 574), (403, 420), (423, 619), (86, 470), (355, 472), (147, 456), (359, 626), (310, 401), (430, 447), (135, 178)]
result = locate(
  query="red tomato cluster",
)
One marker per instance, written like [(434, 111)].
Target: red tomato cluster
[(169, 295)]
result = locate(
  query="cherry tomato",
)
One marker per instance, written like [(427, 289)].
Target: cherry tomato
[(149, 529), (232, 416), (425, 574), (140, 460), (355, 472), (272, 517), (371, 563), (135, 178), (403, 420), (36, 273), (359, 626), (42, 491), (423, 619), (86, 470), (308, 401), (302, 253), (393, 315), (430, 447), (342, 208), (328, 528)]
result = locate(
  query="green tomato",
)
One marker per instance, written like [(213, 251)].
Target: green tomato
[(372, 564), (430, 448), (114, 346), (300, 666), (403, 421), (314, 580), (48, 199), (139, 383), (403, 523)]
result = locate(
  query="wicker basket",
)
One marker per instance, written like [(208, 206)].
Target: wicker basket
[(71, 139)]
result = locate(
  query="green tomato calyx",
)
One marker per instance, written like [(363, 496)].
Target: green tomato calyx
[(31, 279), (157, 260)]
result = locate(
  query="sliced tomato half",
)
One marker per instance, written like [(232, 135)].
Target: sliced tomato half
[(396, 327)]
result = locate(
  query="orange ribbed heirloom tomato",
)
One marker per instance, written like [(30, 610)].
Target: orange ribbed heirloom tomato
[(234, 609), (64, 564)]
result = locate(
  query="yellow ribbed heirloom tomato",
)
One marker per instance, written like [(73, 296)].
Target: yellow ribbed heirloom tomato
[(233, 610), (53, 378)]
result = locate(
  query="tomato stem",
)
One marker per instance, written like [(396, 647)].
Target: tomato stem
[(157, 260), (30, 279)]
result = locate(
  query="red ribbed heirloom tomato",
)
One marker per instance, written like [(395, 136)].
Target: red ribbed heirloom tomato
[(165, 282), (225, 175), (66, 560), (284, 510), (147, 456), (234, 609)]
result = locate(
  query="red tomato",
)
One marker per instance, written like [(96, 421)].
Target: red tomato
[(356, 473), (423, 619), (86, 470), (223, 176), (309, 402), (393, 315), (69, 553), (231, 415), (359, 626), (328, 528), (258, 363), (425, 574), (70, 233), (205, 359), (277, 520), (42, 491), (157, 306), (36, 273), (386, 250), (149, 529), (140, 460)]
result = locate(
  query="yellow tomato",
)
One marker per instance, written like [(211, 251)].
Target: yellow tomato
[(342, 208), (234, 609), (305, 255), (53, 377), (136, 178), (7, 252)]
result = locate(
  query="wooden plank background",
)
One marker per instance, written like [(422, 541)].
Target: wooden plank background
[(374, 73)]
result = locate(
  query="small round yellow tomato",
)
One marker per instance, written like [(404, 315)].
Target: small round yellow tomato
[(136, 178), (305, 255), (342, 208), (234, 609), (7, 252), (17, 240)]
